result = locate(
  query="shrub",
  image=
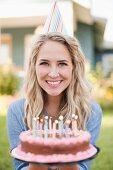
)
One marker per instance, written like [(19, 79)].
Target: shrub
[(9, 82), (105, 104), (102, 86), (102, 89)]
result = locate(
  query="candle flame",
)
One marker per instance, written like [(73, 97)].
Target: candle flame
[(56, 121), (37, 118), (68, 122), (41, 120), (61, 117), (76, 117), (73, 115), (34, 118), (46, 117)]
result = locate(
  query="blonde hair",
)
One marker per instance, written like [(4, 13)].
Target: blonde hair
[(77, 95)]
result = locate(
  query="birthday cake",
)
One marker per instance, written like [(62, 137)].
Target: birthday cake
[(57, 144), (50, 146)]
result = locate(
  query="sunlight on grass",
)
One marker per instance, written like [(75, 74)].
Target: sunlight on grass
[(104, 161), (107, 121), (5, 101), (5, 158)]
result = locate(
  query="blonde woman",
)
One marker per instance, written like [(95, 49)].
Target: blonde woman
[(55, 85)]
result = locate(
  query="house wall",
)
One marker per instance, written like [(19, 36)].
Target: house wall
[(18, 37), (85, 36), (105, 58), (98, 57)]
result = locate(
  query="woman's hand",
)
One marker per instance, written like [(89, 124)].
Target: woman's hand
[(65, 167), (37, 167), (68, 167), (44, 167)]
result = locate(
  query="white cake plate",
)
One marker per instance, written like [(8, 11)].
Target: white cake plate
[(56, 158)]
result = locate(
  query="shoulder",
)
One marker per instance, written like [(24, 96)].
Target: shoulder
[(96, 112), (17, 107), (94, 121), (17, 103), (95, 107)]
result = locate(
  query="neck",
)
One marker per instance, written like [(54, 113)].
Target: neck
[(52, 105)]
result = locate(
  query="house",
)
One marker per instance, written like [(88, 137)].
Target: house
[(17, 29)]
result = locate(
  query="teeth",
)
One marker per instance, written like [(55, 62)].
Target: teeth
[(54, 83)]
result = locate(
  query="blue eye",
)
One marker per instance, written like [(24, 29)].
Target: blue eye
[(44, 63), (63, 64)]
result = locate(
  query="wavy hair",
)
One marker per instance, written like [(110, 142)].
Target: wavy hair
[(77, 95)]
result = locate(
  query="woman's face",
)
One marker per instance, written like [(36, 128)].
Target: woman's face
[(54, 68)]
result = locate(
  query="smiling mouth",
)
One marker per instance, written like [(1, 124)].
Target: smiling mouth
[(54, 82)]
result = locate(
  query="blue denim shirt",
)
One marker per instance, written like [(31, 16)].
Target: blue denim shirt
[(15, 125)]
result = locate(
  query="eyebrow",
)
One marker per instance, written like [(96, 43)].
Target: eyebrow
[(62, 61), (57, 61), (43, 60)]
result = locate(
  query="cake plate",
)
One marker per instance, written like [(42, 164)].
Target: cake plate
[(55, 160)]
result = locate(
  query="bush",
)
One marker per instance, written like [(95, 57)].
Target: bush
[(102, 86), (9, 82), (106, 104)]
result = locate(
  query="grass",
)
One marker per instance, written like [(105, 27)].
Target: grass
[(104, 161), (5, 159)]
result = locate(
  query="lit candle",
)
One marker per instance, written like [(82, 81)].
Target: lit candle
[(41, 127), (74, 123), (50, 123), (46, 127), (54, 128), (37, 123), (67, 128), (60, 126), (41, 124), (34, 127)]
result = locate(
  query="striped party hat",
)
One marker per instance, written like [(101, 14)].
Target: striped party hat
[(54, 22)]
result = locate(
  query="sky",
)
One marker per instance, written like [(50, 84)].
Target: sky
[(104, 9), (100, 8)]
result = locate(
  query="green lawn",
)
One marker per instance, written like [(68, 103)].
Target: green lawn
[(5, 159), (104, 161)]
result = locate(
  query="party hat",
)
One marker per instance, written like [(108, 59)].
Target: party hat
[(54, 22)]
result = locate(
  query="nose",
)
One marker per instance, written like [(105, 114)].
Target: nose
[(53, 73)]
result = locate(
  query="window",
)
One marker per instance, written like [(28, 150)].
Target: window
[(6, 49), (107, 63)]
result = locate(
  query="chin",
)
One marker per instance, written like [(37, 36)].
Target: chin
[(54, 94)]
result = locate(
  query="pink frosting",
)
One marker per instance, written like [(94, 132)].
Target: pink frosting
[(56, 158), (84, 136)]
